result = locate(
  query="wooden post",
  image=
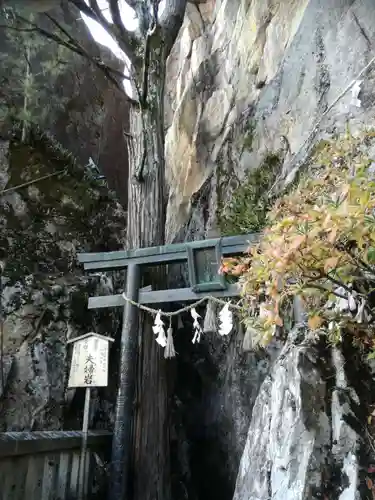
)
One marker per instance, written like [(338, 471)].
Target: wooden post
[(121, 445), (82, 481)]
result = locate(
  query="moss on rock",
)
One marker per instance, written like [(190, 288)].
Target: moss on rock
[(49, 221), (247, 208)]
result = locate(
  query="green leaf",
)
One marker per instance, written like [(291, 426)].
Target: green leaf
[(371, 255)]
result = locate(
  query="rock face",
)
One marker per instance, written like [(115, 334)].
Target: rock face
[(301, 443), (249, 79), (44, 292), (265, 71), (217, 383), (66, 94)]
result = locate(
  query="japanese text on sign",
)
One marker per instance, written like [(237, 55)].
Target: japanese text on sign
[(89, 366)]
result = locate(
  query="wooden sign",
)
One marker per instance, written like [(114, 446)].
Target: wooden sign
[(89, 366)]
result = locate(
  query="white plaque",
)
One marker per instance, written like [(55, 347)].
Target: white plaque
[(89, 366)]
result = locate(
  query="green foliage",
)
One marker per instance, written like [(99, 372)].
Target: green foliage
[(247, 209), (248, 136)]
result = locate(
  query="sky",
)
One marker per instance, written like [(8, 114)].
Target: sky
[(101, 36)]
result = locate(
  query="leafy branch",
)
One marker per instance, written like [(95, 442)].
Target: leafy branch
[(319, 244)]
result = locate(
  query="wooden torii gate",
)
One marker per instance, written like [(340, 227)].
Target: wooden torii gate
[(203, 258)]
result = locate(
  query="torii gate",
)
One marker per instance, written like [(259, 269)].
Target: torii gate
[(203, 258)]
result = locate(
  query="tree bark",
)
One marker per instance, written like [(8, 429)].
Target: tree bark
[(146, 227), (147, 200)]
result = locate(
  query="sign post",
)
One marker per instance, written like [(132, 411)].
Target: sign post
[(89, 368)]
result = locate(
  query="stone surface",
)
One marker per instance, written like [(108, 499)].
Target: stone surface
[(216, 385), (301, 442), (44, 291), (69, 97), (271, 66), (246, 79)]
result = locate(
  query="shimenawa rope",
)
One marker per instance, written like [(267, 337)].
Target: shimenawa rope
[(170, 314)]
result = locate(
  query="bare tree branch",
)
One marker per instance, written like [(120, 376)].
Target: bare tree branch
[(74, 46), (131, 43), (98, 12), (116, 16), (83, 7), (75, 42), (20, 30), (126, 40), (28, 183)]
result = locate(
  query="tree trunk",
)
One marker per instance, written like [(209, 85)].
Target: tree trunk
[(146, 227), (147, 200)]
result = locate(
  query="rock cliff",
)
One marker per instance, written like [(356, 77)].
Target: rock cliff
[(44, 292), (65, 94), (252, 85), (249, 80)]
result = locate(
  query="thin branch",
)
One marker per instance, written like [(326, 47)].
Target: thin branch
[(97, 10), (338, 283), (75, 47), (51, 36), (116, 28), (27, 59), (357, 259), (116, 16), (79, 46), (83, 7), (326, 290), (25, 184), (21, 30), (125, 39)]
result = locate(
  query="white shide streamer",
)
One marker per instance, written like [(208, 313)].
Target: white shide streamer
[(158, 329), (226, 320), (197, 327)]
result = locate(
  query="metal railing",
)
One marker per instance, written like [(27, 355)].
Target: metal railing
[(45, 465)]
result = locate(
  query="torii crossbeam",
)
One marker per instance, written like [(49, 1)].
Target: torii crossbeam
[(169, 254), (204, 259)]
